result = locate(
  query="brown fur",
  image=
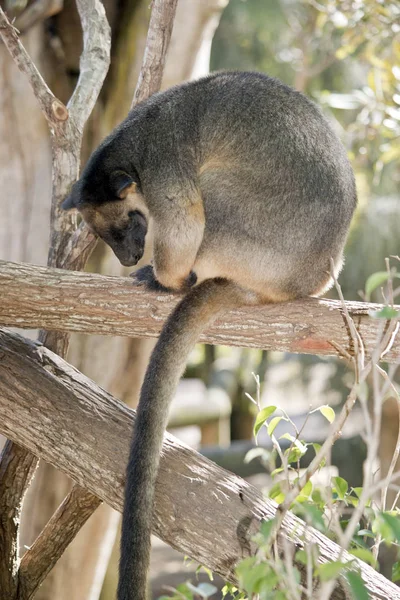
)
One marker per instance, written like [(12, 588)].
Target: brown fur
[(99, 218), (250, 194)]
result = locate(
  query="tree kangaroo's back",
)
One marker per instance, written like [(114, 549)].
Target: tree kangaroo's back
[(250, 194)]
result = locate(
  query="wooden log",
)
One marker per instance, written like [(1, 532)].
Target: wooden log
[(60, 300), (208, 513)]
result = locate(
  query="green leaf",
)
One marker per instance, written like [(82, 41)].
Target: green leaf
[(352, 501), (268, 583), (330, 570), (310, 514), (273, 423), (293, 455), (365, 555), (387, 312), (366, 533), (318, 500), (251, 574), (275, 493), (357, 586), (184, 592), (278, 595), (276, 471), (298, 443), (287, 436), (393, 523), (231, 589), (375, 280), (305, 493), (206, 570), (262, 417), (317, 448), (340, 487), (327, 412), (301, 557), (267, 527), (396, 571)]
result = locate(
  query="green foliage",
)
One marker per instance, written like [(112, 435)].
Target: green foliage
[(375, 280), (344, 53), (396, 572), (387, 524), (327, 412), (340, 487), (233, 591), (262, 418), (357, 585), (365, 555), (330, 570), (387, 312)]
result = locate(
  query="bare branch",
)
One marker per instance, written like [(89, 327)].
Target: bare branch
[(158, 37), (94, 62), (53, 109), (59, 532), (200, 509)]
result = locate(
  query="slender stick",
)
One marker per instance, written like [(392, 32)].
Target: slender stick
[(158, 38), (56, 536)]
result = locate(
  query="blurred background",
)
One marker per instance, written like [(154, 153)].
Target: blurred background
[(343, 54)]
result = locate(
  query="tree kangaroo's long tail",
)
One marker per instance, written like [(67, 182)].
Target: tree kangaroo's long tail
[(167, 364)]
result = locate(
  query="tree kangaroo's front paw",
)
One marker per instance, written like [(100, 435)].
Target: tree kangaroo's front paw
[(145, 277)]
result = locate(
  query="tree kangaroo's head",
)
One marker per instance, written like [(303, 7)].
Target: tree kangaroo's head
[(111, 204)]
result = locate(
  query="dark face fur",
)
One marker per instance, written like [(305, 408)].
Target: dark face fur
[(121, 222)]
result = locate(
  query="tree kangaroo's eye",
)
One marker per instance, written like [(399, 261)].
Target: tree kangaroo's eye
[(137, 218)]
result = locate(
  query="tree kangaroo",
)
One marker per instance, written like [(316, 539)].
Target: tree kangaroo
[(250, 194)]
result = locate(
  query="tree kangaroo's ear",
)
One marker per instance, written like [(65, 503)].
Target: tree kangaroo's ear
[(71, 201), (122, 184)]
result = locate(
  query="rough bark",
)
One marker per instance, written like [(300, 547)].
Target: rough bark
[(41, 557), (16, 471), (66, 130), (88, 303), (158, 38), (201, 510)]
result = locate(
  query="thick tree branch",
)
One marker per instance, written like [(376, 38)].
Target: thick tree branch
[(87, 303), (16, 472), (59, 532), (202, 510)]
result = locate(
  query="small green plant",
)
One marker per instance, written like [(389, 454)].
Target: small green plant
[(358, 519)]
